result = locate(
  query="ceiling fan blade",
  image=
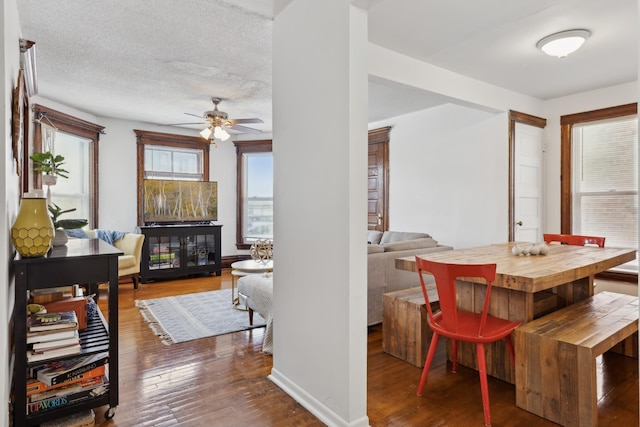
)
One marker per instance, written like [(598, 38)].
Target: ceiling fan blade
[(244, 129), (179, 124), (194, 115), (234, 121)]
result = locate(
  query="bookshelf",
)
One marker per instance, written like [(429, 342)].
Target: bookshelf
[(83, 262), (171, 251)]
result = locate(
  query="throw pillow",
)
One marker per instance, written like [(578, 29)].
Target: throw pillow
[(373, 237), (405, 245), (78, 233)]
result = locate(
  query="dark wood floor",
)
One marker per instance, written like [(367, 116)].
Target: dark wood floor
[(222, 381)]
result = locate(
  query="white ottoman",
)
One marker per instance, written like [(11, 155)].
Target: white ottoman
[(256, 293)]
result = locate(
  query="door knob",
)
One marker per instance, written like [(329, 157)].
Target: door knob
[(519, 223)]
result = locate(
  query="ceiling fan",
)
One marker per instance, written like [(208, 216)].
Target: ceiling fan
[(218, 122)]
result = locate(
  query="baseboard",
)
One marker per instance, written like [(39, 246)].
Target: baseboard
[(313, 405)]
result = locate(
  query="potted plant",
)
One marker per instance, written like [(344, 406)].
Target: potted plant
[(61, 225), (50, 166)]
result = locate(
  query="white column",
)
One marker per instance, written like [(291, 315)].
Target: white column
[(320, 195)]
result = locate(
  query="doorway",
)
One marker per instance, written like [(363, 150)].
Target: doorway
[(378, 180), (526, 184)]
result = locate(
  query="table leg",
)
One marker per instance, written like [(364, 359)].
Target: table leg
[(235, 297)]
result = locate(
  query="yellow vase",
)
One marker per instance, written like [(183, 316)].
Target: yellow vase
[(32, 232)]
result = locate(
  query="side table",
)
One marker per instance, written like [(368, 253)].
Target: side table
[(244, 268)]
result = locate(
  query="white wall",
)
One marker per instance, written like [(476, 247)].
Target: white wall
[(448, 174), (10, 64), (320, 192)]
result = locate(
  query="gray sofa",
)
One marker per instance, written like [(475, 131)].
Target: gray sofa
[(382, 275)]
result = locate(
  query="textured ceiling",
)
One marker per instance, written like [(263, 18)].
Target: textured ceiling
[(132, 61)]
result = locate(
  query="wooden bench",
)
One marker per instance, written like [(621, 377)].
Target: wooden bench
[(405, 328), (556, 356)]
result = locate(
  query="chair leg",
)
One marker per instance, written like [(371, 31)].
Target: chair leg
[(135, 281), (511, 351), (427, 364), (454, 354), (250, 316), (484, 385)]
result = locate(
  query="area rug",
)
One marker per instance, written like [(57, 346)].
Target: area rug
[(193, 316)]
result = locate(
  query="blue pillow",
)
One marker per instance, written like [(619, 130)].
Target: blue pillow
[(77, 233)]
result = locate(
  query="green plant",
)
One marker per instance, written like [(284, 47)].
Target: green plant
[(49, 164), (67, 224)]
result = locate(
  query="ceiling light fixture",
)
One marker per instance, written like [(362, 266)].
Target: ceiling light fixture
[(563, 43), (218, 121), (220, 133), (206, 132)]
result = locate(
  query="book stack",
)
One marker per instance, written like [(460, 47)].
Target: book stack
[(52, 335), (65, 382)]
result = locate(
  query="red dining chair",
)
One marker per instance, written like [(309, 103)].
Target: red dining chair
[(574, 239), (461, 325)]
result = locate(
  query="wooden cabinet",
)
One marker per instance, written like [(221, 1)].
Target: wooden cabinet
[(171, 251), (80, 261)]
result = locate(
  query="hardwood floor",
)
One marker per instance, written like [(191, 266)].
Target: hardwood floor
[(222, 381)]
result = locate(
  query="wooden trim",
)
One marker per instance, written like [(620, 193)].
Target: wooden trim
[(601, 114), (78, 127), (67, 123), (144, 137), (243, 147), (566, 129), (226, 261), (379, 135), (566, 194), (527, 119)]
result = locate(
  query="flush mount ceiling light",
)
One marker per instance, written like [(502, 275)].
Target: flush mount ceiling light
[(563, 43)]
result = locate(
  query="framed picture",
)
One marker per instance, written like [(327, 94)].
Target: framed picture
[(17, 131)]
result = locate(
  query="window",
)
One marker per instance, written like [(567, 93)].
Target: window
[(601, 197), (255, 192), (173, 163), (168, 156), (77, 141)]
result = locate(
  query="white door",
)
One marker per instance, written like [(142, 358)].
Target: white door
[(528, 191)]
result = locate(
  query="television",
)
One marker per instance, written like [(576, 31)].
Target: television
[(175, 202)]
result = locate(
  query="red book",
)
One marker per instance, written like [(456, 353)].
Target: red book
[(36, 386)]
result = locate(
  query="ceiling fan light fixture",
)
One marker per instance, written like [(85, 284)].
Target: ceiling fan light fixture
[(206, 132), (563, 43), (220, 133)]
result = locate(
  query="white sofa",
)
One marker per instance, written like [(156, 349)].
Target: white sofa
[(382, 275)]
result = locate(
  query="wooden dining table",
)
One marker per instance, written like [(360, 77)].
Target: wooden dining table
[(525, 288)]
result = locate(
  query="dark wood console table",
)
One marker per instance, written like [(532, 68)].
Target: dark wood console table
[(83, 262)]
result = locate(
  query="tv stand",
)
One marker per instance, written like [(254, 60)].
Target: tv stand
[(180, 250)]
